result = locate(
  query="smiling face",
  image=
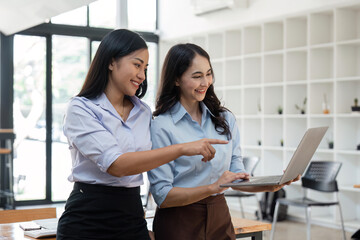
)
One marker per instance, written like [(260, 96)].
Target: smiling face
[(127, 73), (196, 80)]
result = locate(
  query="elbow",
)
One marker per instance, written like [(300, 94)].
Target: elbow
[(116, 171)]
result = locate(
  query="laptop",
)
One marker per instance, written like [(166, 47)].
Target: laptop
[(297, 165)]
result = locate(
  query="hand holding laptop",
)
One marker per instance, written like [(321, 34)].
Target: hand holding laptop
[(267, 188)]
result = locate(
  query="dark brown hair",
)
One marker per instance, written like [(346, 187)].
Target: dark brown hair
[(114, 45), (177, 61)]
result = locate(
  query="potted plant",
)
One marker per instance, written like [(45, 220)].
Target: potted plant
[(326, 109), (281, 142), (302, 109), (355, 108), (280, 109), (331, 144)]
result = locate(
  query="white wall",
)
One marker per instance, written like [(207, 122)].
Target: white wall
[(176, 18)]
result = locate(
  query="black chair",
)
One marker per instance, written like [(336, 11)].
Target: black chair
[(250, 164), (319, 176)]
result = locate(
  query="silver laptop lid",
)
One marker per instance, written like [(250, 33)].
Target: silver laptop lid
[(303, 153)]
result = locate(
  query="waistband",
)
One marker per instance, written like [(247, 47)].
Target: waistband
[(211, 199), (105, 189)]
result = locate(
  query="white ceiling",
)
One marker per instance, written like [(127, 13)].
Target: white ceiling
[(18, 15)]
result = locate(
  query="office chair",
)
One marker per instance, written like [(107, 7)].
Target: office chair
[(250, 164), (319, 176)]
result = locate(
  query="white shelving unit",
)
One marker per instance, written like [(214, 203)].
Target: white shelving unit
[(279, 63)]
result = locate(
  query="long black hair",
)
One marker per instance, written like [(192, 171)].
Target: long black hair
[(177, 61), (114, 45)]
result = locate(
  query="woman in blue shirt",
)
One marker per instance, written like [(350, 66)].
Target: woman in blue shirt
[(187, 190), (107, 127)]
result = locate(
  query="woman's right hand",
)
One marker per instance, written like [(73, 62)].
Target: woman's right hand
[(202, 147), (227, 177)]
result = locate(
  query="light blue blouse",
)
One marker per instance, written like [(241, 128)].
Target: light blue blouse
[(176, 126), (97, 136)]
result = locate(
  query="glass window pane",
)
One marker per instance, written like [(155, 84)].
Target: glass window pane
[(76, 17), (29, 117), (94, 48), (152, 73), (103, 13), (70, 64), (142, 15)]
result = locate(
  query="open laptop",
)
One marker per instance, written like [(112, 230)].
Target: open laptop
[(297, 165)]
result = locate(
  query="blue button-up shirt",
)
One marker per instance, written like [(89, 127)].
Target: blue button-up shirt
[(176, 126), (97, 136)]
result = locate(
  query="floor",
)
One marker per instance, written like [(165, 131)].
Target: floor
[(287, 230)]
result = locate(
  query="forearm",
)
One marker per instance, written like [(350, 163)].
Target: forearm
[(137, 162), (178, 196)]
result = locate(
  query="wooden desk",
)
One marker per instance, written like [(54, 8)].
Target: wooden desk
[(12, 231), (249, 228)]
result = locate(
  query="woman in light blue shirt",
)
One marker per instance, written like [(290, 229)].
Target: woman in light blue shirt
[(107, 127), (187, 190)]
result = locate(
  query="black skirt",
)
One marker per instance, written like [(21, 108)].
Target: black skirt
[(103, 212)]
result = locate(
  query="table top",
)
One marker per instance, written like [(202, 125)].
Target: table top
[(12, 231), (242, 225), (357, 186)]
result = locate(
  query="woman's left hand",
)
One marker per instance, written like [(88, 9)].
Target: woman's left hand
[(272, 188)]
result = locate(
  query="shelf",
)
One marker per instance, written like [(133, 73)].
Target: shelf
[(282, 62), (296, 66), (273, 68), (321, 27), (321, 63), (348, 60), (296, 32), (347, 133), (218, 70), (5, 151), (215, 45), (252, 132), (295, 95), (252, 100), (252, 39), (321, 97), (346, 92), (273, 36), (273, 129), (233, 101), (295, 129), (348, 17), (273, 99), (233, 43), (233, 72), (252, 70)]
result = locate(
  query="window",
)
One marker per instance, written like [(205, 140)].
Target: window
[(50, 66), (142, 15), (76, 17), (102, 14), (69, 67), (29, 117)]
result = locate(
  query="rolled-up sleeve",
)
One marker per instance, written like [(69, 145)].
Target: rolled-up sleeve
[(161, 178), (236, 164), (86, 133)]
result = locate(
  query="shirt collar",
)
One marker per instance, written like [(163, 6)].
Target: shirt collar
[(105, 104), (178, 111)]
